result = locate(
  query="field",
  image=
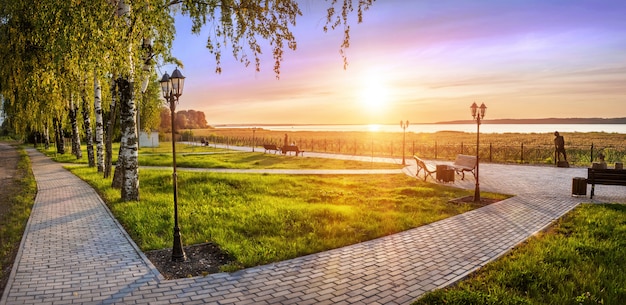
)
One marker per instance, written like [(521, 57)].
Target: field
[(535, 148)]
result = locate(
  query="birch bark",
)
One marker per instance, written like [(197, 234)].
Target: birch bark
[(87, 127), (129, 145), (75, 133), (97, 105), (58, 135)]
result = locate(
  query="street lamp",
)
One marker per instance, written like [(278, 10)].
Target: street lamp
[(253, 140), (172, 87), (404, 126), (478, 113)]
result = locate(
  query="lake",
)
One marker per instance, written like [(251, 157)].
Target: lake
[(431, 128)]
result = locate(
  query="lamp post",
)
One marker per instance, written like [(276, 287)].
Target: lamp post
[(253, 140), (478, 113), (404, 126), (172, 87)]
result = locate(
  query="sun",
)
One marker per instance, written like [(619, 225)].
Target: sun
[(374, 95)]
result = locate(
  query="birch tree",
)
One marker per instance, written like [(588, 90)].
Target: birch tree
[(97, 105), (75, 133), (86, 113), (44, 43)]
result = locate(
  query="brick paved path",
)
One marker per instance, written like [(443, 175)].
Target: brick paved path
[(75, 252)]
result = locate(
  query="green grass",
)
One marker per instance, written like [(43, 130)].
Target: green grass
[(68, 157), (260, 218), (193, 156), (580, 260), (17, 210), (255, 160)]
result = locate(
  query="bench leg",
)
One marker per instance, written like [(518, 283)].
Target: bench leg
[(593, 188)]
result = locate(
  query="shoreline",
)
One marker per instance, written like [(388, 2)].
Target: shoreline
[(485, 128)]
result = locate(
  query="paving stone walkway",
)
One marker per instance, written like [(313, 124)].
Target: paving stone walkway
[(75, 252)]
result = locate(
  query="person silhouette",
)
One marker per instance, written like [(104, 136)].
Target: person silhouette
[(559, 146)]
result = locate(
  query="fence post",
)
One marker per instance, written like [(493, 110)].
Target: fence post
[(522, 153), (490, 153), (435, 149), (413, 148), (591, 161)]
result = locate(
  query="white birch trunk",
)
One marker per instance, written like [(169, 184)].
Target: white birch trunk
[(129, 146), (87, 126), (75, 133), (58, 135), (97, 104)]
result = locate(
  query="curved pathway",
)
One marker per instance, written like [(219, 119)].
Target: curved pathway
[(74, 251)]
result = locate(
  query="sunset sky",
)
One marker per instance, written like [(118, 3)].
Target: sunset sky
[(424, 61)]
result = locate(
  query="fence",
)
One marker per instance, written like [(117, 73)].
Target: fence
[(496, 153)]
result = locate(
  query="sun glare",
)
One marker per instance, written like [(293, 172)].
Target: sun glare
[(374, 127), (374, 95)]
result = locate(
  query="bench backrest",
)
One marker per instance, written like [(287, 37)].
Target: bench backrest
[(606, 176), (290, 148), (465, 161), (270, 147)]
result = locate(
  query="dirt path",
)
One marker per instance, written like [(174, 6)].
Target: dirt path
[(9, 158), (8, 167)]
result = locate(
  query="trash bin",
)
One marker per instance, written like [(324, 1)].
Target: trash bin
[(445, 174), (579, 186)]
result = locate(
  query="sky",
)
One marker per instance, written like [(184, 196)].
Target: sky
[(424, 61)]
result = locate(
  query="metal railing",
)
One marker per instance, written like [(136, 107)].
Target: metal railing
[(495, 153)]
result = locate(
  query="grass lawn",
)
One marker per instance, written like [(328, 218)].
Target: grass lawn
[(255, 160), (580, 260), (193, 156), (260, 218)]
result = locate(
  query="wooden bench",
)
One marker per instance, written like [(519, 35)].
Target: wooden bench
[(606, 177), (428, 168), (293, 148), (464, 163), (271, 147)]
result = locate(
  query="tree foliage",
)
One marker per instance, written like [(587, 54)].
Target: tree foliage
[(49, 47), (185, 119)]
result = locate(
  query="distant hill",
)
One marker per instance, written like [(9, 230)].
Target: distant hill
[(544, 121)]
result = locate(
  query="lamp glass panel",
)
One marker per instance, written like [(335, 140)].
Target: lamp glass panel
[(178, 82), (474, 107), (165, 85)]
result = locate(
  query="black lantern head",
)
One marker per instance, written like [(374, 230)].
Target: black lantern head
[(178, 82), (474, 108), (166, 86)]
